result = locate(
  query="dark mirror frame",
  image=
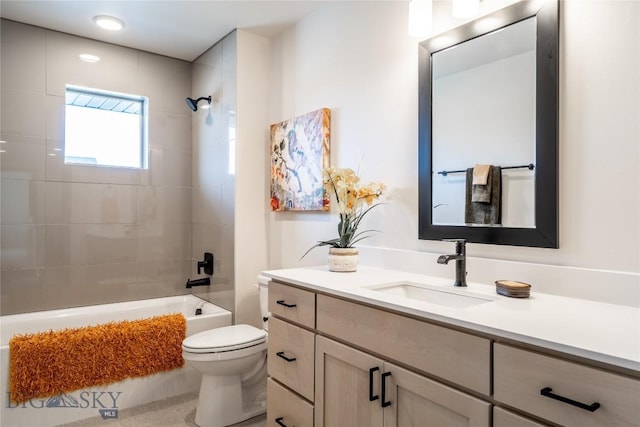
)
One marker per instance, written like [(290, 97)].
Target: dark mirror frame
[(545, 233)]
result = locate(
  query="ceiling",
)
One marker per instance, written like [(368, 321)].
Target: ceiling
[(182, 29)]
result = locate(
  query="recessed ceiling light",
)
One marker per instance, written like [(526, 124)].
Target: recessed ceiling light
[(108, 22), (87, 57)]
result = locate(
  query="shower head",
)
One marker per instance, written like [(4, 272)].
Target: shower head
[(193, 104)]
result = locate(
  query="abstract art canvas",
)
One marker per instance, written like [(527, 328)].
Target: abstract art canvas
[(299, 152)]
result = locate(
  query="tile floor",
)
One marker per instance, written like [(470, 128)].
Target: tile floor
[(179, 411)]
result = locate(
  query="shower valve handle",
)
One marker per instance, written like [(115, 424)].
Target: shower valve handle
[(207, 264)]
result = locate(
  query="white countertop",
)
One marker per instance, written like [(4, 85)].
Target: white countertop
[(601, 332)]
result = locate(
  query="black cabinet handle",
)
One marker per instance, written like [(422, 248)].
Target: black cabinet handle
[(371, 396), (288, 359), (279, 422), (281, 302), (547, 392), (385, 402)]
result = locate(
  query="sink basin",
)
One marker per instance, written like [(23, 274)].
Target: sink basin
[(432, 295)]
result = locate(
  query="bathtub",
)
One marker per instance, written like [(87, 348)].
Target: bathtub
[(103, 401)]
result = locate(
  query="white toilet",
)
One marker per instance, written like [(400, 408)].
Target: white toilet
[(233, 362)]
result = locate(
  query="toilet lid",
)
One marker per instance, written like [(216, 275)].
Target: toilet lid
[(227, 338)]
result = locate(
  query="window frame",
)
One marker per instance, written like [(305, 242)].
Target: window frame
[(144, 118)]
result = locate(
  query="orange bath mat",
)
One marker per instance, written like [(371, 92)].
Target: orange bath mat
[(48, 363)]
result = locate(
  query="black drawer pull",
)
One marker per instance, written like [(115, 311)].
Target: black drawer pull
[(280, 422), (288, 359), (371, 396), (385, 402), (547, 392), (281, 302)]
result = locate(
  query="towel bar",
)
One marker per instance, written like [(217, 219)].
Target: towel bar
[(530, 166)]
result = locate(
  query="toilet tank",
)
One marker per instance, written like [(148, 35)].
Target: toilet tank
[(263, 285)]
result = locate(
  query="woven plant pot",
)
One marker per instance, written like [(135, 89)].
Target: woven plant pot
[(343, 259)]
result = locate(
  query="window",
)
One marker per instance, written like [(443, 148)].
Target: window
[(105, 128)]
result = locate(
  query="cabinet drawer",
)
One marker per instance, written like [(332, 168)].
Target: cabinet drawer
[(458, 357), (296, 305), (521, 375), (291, 356), (504, 418), (286, 407)]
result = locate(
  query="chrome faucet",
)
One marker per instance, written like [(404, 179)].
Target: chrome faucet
[(460, 258)]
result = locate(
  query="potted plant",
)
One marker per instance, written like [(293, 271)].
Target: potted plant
[(354, 201)]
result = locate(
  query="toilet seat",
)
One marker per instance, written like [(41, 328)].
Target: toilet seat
[(224, 339)]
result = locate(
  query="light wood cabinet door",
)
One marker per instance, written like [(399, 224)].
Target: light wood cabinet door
[(354, 388), (416, 401), (343, 386)]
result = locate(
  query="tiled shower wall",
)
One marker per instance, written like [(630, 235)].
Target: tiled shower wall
[(82, 235), (214, 163)]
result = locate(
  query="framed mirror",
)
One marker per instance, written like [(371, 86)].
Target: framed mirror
[(488, 96)]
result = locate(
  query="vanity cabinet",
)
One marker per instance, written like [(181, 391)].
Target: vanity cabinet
[(354, 388), (337, 362)]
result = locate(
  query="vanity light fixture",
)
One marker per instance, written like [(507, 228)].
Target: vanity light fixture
[(420, 17), (87, 57), (108, 22), (464, 8)]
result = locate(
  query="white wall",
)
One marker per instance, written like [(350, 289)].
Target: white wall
[(357, 59)]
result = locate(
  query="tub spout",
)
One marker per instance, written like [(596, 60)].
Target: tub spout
[(198, 282)]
